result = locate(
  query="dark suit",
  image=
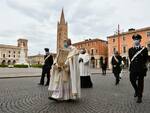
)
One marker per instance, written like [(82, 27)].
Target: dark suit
[(116, 67), (46, 69), (138, 69)]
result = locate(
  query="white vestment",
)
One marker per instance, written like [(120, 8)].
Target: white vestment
[(72, 62), (84, 66), (65, 83)]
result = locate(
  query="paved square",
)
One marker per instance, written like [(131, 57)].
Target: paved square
[(23, 95)]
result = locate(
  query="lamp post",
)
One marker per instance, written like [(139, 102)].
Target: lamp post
[(119, 39)]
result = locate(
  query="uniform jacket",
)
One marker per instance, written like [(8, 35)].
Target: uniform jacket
[(116, 66), (139, 63), (48, 62)]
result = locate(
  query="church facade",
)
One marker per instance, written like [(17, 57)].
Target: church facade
[(9, 54)]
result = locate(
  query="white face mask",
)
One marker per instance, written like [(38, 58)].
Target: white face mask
[(136, 42), (47, 53)]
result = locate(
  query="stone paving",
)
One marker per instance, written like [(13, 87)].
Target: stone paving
[(19, 72), (30, 72), (23, 95)]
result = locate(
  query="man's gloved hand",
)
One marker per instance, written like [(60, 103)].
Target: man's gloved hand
[(80, 60)]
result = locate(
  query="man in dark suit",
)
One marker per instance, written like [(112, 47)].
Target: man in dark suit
[(116, 66), (138, 56), (48, 61)]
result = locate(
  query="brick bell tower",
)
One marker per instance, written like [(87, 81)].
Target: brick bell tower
[(62, 31)]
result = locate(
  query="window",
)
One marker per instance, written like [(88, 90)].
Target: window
[(92, 52), (148, 46), (124, 49), (9, 56), (113, 40), (124, 38), (59, 34), (148, 34), (14, 56), (3, 55), (14, 52), (96, 50)]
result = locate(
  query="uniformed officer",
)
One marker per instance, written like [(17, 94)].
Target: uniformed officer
[(138, 56), (116, 66), (48, 61)]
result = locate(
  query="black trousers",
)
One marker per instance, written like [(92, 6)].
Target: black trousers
[(117, 77), (137, 81), (103, 71), (45, 71)]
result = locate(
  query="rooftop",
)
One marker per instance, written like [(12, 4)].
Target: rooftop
[(89, 40), (8, 46), (130, 31)]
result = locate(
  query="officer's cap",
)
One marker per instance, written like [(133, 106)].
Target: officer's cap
[(46, 50), (137, 37)]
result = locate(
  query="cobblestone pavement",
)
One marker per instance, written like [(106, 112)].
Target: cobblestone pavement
[(23, 95), (28, 72), (19, 72)]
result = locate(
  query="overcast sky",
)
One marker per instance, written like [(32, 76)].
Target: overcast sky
[(36, 20)]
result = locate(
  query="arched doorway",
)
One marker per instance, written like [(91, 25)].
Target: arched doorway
[(9, 62), (101, 61), (93, 62), (3, 62), (14, 61)]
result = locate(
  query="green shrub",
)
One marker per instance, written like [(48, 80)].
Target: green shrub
[(3, 65), (20, 66), (37, 65)]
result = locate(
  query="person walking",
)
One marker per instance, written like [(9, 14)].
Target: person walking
[(138, 57), (116, 66), (65, 81)]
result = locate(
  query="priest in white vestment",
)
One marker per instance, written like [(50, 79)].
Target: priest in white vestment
[(65, 80), (84, 64)]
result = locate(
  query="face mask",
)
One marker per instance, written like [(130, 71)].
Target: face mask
[(65, 45), (47, 53), (136, 42)]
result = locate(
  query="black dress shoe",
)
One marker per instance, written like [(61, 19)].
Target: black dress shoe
[(40, 84), (135, 94), (116, 83), (53, 99), (139, 100), (46, 84)]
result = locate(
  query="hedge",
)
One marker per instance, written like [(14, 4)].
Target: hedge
[(2, 65), (21, 66), (36, 65)]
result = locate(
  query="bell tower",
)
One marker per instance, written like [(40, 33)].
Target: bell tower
[(62, 31)]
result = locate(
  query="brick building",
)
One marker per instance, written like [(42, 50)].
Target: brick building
[(123, 41), (97, 48)]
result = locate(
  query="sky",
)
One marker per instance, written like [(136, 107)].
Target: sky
[(36, 20)]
